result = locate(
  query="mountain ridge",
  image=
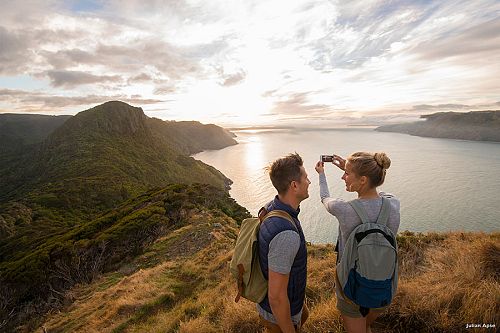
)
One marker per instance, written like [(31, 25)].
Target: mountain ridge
[(93, 161), (102, 180)]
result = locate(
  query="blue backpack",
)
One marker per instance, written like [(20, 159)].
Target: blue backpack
[(367, 273)]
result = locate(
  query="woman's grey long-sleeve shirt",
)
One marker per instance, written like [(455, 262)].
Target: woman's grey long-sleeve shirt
[(347, 217)]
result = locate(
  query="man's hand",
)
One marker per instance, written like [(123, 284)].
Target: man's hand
[(278, 299)]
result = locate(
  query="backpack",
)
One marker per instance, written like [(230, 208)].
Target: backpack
[(245, 264), (367, 273)]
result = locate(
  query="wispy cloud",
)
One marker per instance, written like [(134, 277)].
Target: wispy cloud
[(257, 61), (70, 79)]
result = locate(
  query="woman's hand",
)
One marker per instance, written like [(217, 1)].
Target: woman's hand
[(320, 167), (339, 162)]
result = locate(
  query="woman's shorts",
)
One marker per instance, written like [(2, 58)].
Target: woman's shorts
[(348, 309)]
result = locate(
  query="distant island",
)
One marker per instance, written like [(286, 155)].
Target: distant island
[(473, 125)]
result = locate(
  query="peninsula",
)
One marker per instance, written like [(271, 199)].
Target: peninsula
[(473, 125)]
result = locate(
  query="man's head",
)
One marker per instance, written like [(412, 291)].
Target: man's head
[(288, 174)]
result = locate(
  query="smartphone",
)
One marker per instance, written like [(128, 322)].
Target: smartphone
[(326, 158)]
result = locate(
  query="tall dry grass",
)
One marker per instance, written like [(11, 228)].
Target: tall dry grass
[(457, 284), (446, 281)]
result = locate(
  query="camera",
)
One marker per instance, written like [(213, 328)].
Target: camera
[(326, 158)]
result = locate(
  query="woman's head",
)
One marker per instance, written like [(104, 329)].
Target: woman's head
[(372, 166)]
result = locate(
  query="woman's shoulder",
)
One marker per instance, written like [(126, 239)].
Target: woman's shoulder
[(338, 202), (336, 206)]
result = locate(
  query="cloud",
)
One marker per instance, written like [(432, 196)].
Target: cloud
[(298, 104), (160, 56), (233, 79), (27, 13), (11, 92), (143, 77), (165, 90), (13, 55), (66, 42), (42, 102), (71, 79), (480, 40), (306, 59), (63, 59), (364, 30)]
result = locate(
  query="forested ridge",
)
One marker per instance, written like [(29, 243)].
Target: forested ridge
[(70, 190)]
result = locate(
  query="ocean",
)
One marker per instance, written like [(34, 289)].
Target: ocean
[(443, 184)]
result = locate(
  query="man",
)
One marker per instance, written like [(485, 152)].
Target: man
[(282, 249)]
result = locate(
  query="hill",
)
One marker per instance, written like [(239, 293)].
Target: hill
[(190, 137), (82, 194), (474, 125), (33, 281), (181, 283), (20, 130), (94, 161)]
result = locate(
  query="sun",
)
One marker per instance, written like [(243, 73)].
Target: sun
[(239, 105)]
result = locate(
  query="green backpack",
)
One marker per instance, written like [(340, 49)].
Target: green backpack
[(245, 266)]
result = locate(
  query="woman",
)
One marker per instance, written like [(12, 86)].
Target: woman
[(363, 173)]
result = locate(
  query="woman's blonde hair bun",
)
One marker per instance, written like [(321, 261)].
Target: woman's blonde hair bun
[(382, 160)]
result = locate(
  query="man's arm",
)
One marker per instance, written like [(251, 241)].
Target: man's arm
[(278, 299), (282, 251)]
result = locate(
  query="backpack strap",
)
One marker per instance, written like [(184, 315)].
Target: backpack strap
[(360, 210), (383, 216), (282, 214)]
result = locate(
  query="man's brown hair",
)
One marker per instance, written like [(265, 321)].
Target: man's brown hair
[(285, 170)]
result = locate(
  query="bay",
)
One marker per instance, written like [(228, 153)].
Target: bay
[(443, 184)]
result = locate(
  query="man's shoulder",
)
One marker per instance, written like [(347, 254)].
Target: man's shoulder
[(279, 224)]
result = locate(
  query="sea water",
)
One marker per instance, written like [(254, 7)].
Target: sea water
[(442, 184)]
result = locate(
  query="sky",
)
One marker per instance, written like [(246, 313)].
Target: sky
[(248, 63)]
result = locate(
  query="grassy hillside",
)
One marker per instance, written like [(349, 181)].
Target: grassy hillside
[(474, 125), (92, 194), (94, 161), (181, 283), (33, 281)]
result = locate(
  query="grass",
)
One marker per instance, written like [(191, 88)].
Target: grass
[(458, 283), (446, 281)]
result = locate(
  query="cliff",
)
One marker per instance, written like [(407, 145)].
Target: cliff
[(474, 125)]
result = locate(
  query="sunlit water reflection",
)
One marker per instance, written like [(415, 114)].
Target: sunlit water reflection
[(442, 184)]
